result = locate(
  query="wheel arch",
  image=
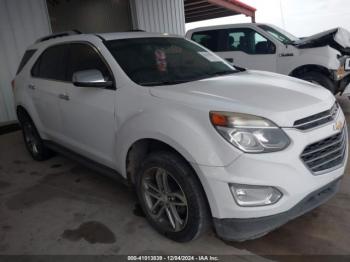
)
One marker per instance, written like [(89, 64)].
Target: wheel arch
[(141, 148), (24, 110), (21, 112), (300, 70)]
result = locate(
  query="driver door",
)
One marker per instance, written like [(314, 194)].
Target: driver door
[(88, 113)]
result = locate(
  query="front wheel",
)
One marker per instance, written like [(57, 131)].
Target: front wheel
[(171, 197), (320, 79)]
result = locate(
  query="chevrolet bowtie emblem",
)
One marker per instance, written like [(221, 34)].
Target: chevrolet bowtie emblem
[(338, 125)]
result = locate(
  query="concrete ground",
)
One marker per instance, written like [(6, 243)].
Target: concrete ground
[(60, 207)]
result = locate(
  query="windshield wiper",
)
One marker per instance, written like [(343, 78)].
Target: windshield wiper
[(223, 72), (174, 82), (166, 82)]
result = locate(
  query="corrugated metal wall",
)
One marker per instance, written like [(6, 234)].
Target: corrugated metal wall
[(164, 16), (21, 23), (90, 16)]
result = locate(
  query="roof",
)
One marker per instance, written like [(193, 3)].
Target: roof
[(197, 10)]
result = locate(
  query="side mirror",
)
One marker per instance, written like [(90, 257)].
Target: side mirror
[(90, 78)]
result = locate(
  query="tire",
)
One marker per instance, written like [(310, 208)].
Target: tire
[(32, 139), (166, 178), (320, 79)]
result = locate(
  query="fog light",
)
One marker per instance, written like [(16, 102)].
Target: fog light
[(249, 195)]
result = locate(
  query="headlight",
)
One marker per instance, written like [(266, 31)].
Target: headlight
[(249, 195), (249, 133)]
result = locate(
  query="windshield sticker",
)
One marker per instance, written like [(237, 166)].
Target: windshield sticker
[(161, 60), (210, 57)]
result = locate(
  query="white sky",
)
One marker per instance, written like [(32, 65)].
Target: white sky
[(300, 17)]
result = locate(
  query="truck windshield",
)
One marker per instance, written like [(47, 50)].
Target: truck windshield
[(280, 34), (166, 60)]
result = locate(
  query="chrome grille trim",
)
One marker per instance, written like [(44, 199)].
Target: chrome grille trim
[(318, 119), (327, 154), (325, 146)]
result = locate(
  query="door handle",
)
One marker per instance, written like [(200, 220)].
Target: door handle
[(64, 96), (32, 87)]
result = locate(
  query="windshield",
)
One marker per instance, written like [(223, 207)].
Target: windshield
[(280, 34), (166, 60)]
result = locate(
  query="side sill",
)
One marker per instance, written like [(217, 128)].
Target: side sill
[(107, 171)]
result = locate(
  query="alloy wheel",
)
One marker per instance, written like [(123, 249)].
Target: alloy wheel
[(31, 138), (165, 200)]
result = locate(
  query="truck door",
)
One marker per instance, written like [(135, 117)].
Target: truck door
[(241, 46), (247, 48)]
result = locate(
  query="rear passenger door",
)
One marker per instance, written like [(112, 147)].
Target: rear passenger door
[(88, 112), (48, 82)]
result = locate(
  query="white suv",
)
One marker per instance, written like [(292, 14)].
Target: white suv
[(323, 58), (201, 141)]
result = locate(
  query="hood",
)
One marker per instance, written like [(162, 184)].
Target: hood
[(279, 98), (338, 38)]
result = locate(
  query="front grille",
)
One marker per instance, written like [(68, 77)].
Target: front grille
[(317, 119), (326, 154)]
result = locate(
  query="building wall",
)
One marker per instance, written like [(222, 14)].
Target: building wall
[(163, 16), (90, 16), (21, 23)]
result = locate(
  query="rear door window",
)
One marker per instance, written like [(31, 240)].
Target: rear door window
[(52, 64), (208, 39)]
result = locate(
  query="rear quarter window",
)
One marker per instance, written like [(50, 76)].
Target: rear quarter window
[(27, 55)]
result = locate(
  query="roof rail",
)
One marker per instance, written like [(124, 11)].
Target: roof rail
[(136, 30), (60, 34)]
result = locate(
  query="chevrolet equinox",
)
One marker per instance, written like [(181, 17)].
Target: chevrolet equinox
[(202, 142)]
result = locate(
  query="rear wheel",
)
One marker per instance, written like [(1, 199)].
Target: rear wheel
[(171, 197), (32, 140), (320, 79)]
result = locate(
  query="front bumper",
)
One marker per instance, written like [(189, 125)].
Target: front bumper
[(244, 229), (283, 170)]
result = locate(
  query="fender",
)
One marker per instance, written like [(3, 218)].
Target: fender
[(325, 57), (196, 140)]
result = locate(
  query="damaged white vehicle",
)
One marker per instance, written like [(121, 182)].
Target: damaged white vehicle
[(323, 58)]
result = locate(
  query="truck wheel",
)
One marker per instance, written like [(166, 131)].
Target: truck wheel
[(172, 197), (320, 79), (32, 139)]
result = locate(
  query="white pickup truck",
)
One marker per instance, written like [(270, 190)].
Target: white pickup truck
[(323, 58)]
